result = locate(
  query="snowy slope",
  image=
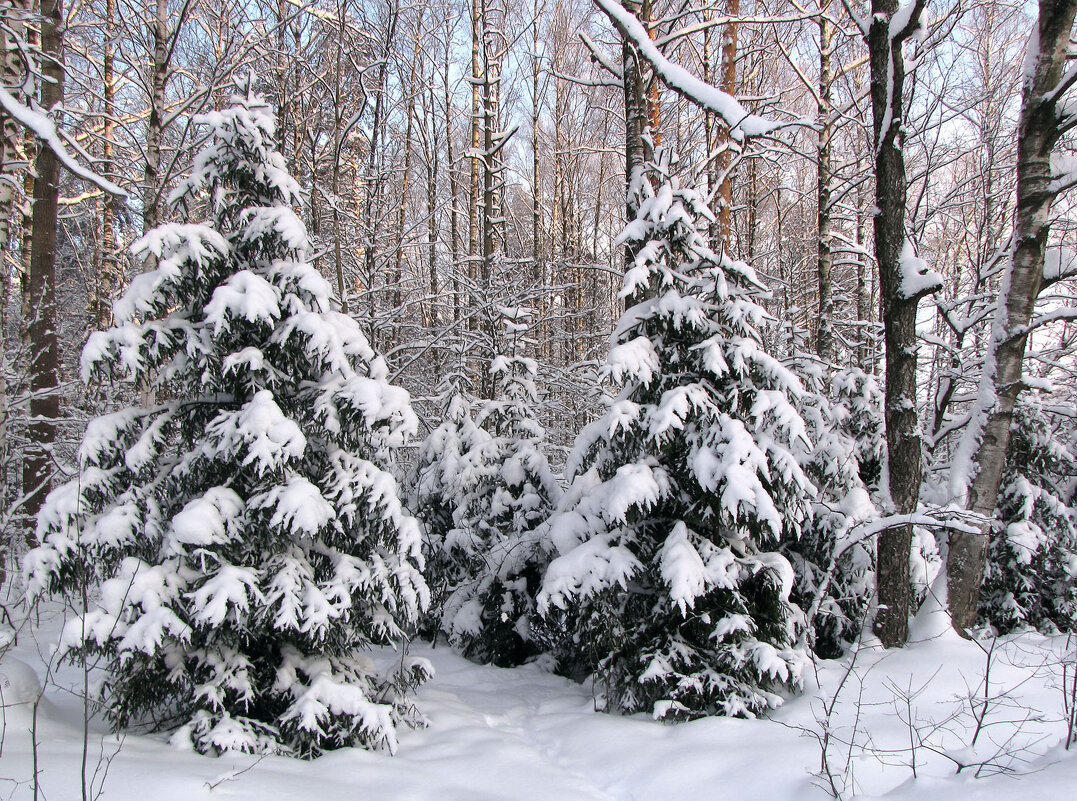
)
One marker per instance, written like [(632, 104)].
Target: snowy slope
[(524, 734)]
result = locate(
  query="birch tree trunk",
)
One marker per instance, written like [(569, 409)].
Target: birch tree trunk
[(454, 208), (12, 163), (151, 193), (824, 341), (108, 280), (1040, 126)]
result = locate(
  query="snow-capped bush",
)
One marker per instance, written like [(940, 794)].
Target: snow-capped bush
[(663, 570), (245, 537)]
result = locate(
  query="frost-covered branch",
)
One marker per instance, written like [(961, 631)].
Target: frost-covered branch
[(741, 122), (43, 127)]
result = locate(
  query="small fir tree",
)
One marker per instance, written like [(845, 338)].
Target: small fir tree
[(450, 467), (246, 537), (832, 561), (664, 571), (1030, 579), (488, 613), (487, 560)]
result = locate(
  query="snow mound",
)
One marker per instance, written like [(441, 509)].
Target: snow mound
[(19, 683)]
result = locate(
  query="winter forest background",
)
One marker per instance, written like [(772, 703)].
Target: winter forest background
[(687, 351)]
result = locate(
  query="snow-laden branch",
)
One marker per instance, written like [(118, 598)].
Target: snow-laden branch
[(860, 531), (904, 22), (1063, 183), (741, 122), (1065, 83), (45, 129), (771, 19), (1046, 318), (917, 278), (600, 58), (1059, 264)]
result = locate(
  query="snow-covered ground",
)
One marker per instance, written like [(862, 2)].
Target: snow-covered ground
[(525, 734)]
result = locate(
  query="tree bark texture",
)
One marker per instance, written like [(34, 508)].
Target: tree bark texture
[(725, 158), (898, 314), (824, 341), (637, 118), (41, 282), (151, 192), (1039, 128)]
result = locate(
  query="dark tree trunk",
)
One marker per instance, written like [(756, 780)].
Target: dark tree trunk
[(41, 282), (898, 314)]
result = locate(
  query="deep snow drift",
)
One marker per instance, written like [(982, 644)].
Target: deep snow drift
[(521, 734)]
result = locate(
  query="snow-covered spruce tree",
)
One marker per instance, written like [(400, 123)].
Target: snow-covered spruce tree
[(248, 541), (488, 613), (663, 568), (1031, 573), (834, 570), (450, 469), (487, 562)]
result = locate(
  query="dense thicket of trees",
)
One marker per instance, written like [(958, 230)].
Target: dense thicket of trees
[(898, 175)]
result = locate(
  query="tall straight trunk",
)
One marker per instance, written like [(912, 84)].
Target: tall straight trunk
[(863, 296), (29, 147), (108, 279), (13, 168), (729, 86), (557, 211), (41, 284), (559, 214), (405, 184), (454, 191), (538, 260), (477, 7), (284, 95), (1039, 129), (710, 130), (339, 125), (297, 106), (491, 224), (151, 192), (824, 341), (536, 111), (474, 369), (753, 210), (433, 167), (725, 159), (12, 163), (490, 113), (372, 180), (637, 120), (898, 313)]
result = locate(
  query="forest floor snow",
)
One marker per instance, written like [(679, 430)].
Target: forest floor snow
[(524, 734)]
